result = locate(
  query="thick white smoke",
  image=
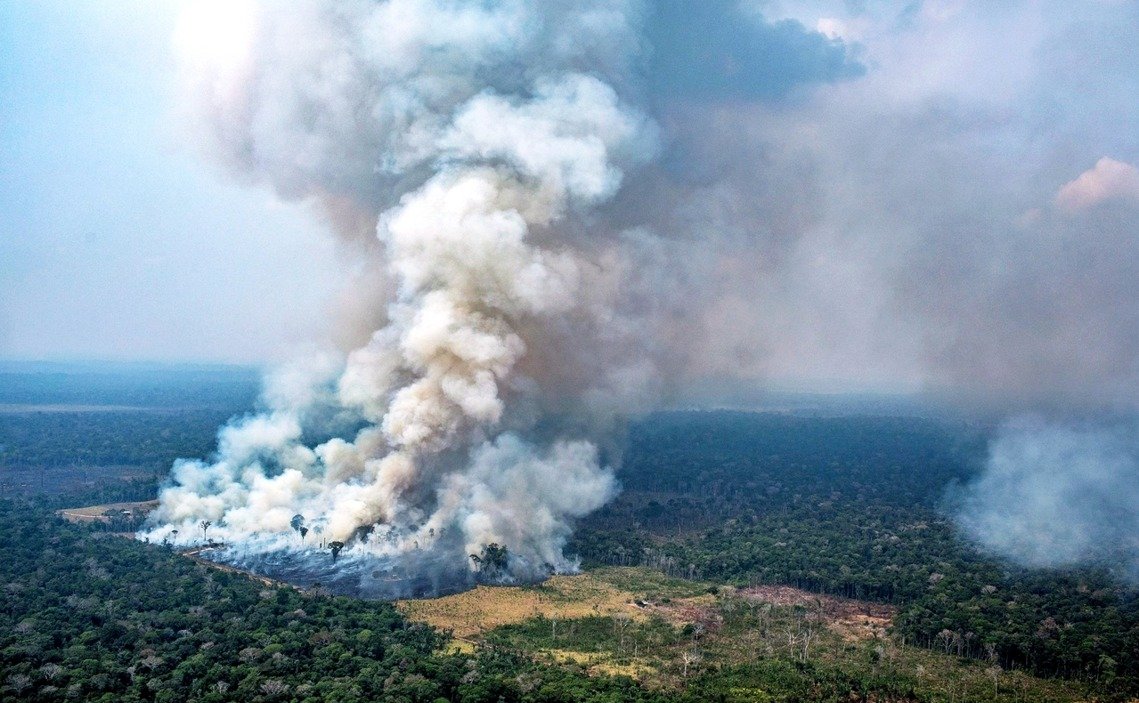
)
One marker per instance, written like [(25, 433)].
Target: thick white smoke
[(477, 138), (1056, 495)]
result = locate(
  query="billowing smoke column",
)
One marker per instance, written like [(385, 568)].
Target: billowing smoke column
[(475, 141)]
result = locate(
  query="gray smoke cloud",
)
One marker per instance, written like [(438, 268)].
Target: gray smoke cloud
[(515, 307), (1012, 263), (1057, 494), (565, 212), (473, 140), (960, 220)]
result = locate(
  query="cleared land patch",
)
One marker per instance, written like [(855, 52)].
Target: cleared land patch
[(99, 513), (765, 642), (854, 620), (629, 592)]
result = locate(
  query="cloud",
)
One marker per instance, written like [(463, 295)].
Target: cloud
[(837, 29), (878, 228), (1109, 180)]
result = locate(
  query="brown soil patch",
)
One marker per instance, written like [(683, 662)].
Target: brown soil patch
[(854, 620), (700, 610)]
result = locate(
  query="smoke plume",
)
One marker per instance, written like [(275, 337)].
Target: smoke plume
[(511, 297), (1058, 495), (474, 141)]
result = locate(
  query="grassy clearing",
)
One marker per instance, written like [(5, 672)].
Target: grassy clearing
[(648, 583), (605, 592), (97, 513), (762, 643)]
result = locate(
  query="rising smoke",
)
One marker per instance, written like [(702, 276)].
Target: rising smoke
[(475, 141), (1058, 494)]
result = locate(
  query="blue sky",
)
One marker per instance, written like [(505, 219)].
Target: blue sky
[(117, 241)]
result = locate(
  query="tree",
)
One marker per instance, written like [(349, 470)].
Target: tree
[(335, 546), (205, 525), (492, 561), (19, 682), (994, 673), (690, 657)]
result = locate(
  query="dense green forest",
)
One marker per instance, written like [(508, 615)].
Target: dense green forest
[(152, 440), (94, 617), (855, 507)]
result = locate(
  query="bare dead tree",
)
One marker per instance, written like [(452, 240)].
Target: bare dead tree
[(994, 673), (690, 657)]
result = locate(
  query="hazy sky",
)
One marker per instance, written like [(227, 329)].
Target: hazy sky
[(900, 193), (117, 240)]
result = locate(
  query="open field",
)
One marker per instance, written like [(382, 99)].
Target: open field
[(854, 620), (634, 593), (97, 513), (604, 592)]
